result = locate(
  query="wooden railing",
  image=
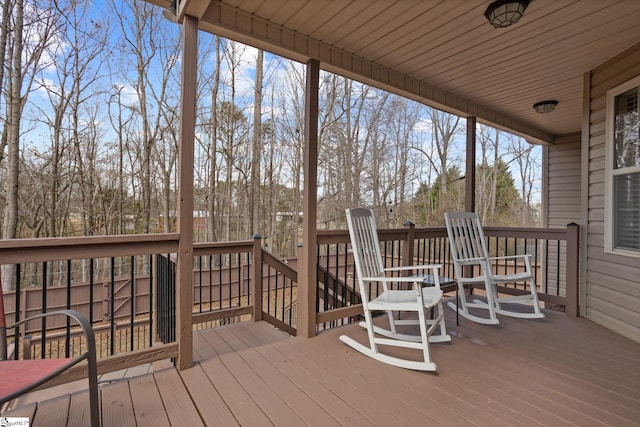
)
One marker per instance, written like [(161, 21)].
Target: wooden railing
[(112, 262), (227, 277), (555, 254)]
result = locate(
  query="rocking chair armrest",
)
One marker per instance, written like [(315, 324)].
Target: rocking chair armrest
[(471, 261), (403, 279), (417, 281), (434, 267), (507, 257)]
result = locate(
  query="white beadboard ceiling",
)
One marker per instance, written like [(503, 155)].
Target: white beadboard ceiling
[(444, 51)]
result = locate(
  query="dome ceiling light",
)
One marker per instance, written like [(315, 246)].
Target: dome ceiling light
[(503, 13)]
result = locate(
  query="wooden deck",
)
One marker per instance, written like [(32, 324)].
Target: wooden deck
[(556, 371)]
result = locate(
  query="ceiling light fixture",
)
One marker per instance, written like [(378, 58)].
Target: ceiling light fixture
[(545, 107), (503, 13)]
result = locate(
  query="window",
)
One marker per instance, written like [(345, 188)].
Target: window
[(622, 191)]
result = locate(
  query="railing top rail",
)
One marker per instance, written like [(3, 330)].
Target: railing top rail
[(276, 263), (527, 233), (326, 237), (222, 248), (430, 232), (342, 236), (63, 248)]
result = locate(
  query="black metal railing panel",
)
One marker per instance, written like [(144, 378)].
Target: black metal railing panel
[(222, 283), (113, 293), (166, 298)]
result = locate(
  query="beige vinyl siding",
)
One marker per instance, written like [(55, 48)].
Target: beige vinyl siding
[(562, 204), (612, 282), (563, 181)]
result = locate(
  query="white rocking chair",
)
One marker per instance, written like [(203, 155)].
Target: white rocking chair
[(469, 249), (371, 272)]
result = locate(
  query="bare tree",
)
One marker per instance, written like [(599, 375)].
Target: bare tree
[(142, 36), (72, 122), (485, 182), (524, 157), (166, 121), (401, 119), (285, 158), (34, 23), (119, 122), (213, 175), (254, 196), (445, 128)]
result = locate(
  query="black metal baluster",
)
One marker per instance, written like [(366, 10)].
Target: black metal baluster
[(112, 306), (210, 282), (133, 301), (43, 330), (16, 332), (68, 326), (150, 327)]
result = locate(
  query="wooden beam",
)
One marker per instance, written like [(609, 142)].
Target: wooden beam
[(573, 269), (15, 251), (307, 275), (256, 278), (470, 174), (184, 274)]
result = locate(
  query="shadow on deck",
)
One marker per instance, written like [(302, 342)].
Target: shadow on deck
[(555, 371)]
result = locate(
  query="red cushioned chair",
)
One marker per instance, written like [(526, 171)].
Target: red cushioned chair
[(21, 376)]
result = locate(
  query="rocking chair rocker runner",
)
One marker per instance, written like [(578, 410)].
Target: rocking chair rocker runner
[(371, 272), (469, 248), (18, 377)]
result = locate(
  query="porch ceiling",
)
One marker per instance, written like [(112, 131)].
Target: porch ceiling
[(444, 53)]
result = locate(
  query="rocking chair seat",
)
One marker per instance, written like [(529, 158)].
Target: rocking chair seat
[(391, 299)]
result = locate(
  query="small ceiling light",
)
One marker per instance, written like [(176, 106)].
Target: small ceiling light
[(503, 13), (545, 107)]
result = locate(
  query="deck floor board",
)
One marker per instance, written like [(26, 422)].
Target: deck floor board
[(208, 401), (144, 395), (79, 413), (117, 405), (54, 412), (177, 401), (556, 371)]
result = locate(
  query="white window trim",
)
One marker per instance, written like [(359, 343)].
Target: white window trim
[(610, 172)]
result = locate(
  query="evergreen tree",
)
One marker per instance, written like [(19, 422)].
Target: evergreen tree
[(507, 199)]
